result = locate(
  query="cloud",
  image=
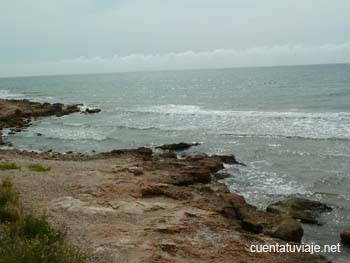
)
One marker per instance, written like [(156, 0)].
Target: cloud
[(218, 58)]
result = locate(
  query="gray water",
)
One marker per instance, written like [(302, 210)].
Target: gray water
[(290, 125)]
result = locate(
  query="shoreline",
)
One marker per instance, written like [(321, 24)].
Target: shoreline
[(140, 206)]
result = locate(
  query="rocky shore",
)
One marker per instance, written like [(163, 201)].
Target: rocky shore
[(18, 114), (145, 206)]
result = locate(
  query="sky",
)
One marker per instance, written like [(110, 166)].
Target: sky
[(46, 37)]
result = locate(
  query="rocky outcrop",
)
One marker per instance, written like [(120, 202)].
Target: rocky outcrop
[(177, 146), (299, 208), (91, 111), (17, 114), (134, 206), (345, 236)]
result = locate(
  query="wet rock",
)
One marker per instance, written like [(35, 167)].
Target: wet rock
[(213, 163), (177, 146), (289, 230), (92, 111), (222, 175), (1, 140), (228, 159), (345, 236), (299, 208)]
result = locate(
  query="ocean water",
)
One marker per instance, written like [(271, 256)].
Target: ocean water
[(290, 125)]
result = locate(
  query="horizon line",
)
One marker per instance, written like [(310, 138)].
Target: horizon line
[(172, 70)]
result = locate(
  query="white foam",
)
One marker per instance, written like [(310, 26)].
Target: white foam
[(6, 94), (314, 125)]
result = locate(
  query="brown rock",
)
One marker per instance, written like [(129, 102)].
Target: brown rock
[(289, 230), (170, 191), (190, 176), (213, 163), (222, 175), (168, 155)]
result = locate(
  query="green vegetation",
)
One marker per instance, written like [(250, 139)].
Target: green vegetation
[(38, 168), (26, 239), (9, 166)]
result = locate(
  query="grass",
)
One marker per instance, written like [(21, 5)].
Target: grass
[(38, 168), (9, 166), (26, 239)]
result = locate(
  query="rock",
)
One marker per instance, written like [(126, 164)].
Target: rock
[(177, 146), (168, 155), (171, 191), (299, 208), (17, 114), (137, 171), (1, 140), (345, 236), (228, 159), (222, 175), (213, 163), (289, 230), (140, 151), (92, 111), (39, 134), (191, 175)]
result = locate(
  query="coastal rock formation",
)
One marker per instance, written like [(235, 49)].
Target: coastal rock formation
[(228, 159), (17, 114), (177, 146), (92, 111), (299, 208), (345, 236), (133, 206)]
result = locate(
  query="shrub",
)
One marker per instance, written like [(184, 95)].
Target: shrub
[(27, 239), (33, 228), (38, 168), (7, 193), (9, 166)]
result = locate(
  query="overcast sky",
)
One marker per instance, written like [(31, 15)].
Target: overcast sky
[(39, 37)]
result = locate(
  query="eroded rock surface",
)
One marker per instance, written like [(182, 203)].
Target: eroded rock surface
[(300, 208), (131, 206)]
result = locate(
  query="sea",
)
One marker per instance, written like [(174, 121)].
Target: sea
[(290, 125)]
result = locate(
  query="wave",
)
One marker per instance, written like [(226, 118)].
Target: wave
[(289, 125), (7, 94), (197, 110), (268, 136), (286, 124)]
